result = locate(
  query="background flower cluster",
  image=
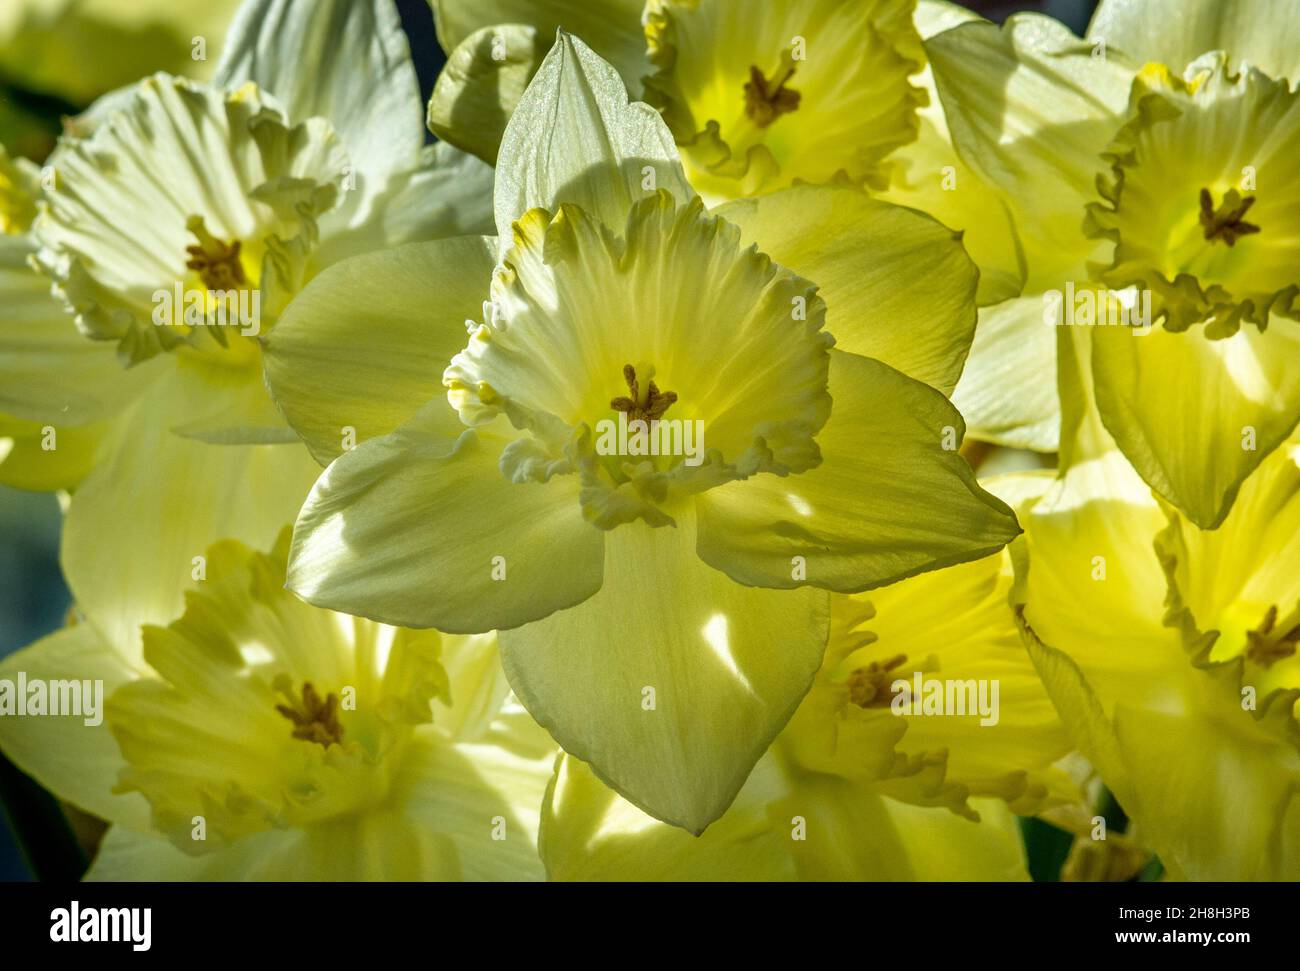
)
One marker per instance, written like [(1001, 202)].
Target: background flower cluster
[(981, 565)]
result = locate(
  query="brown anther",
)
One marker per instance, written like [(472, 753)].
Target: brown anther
[(216, 262), (1226, 222), (315, 719), (766, 101), (647, 406), (869, 686), (1271, 642)]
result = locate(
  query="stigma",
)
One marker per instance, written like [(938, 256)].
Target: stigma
[(315, 719), (216, 261), (1228, 221), (869, 686), (767, 100), (646, 403)]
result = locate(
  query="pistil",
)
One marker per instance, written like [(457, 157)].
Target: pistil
[(1272, 641), (1227, 222), (314, 719), (646, 403), (217, 262), (767, 100), (869, 686)]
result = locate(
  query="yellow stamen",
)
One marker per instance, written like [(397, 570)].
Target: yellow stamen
[(1226, 222), (216, 262), (766, 101), (869, 686), (315, 719), (645, 404), (1271, 641)]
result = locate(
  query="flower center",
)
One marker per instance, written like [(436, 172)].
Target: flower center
[(1228, 221), (644, 403), (869, 686), (1272, 641), (216, 262), (314, 719), (767, 100)]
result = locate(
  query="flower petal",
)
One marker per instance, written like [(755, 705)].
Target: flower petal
[(364, 345), (344, 60), (157, 500), (379, 846), (611, 27), (1030, 110), (590, 833), (1196, 416), (850, 833), (929, 175), (76, 760), (668, 681), (51, 371), (485, 77), (1265, 33), (887, 502), (484, 799), (28, 462), (999, 405), (898, 285), (421, 528), (575, 138)]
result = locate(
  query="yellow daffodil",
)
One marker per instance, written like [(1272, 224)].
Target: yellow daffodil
[(1169, 650), (1202, 217), (825, 88), (852, 789), (175, 228), (760, 96), (1179, 683), (1179, 180), (258, 738), (661, 614)]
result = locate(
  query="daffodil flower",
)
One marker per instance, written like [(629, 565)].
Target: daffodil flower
[(1170, 653), (1179, 180), (662, 617), (857, 786), (1201, 213), (825, 88), (258, 738), (1166, 648), (184, 207), (768, 95)]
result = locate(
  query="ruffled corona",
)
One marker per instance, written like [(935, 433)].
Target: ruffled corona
[(935, 665), (292, 740), (762, 95), (286, 715), (573, 306), (151, 264), (1234, 595), (1199, 203)]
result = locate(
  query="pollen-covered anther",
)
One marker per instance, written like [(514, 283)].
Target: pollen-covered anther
[(217, 262), (1227, 222), (645, 404), (1272, 641), (767, 100), (314, 719), (869, 686)]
